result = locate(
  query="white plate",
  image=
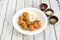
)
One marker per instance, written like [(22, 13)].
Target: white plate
[(36, 12)]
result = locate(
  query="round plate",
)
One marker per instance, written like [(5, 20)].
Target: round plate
[(32, 11)]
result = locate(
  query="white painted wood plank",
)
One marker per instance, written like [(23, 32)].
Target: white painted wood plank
[(28, 3), (55, 7), (58, 1), (36, 3), (20, 4), (3, 7), (7, 28), (49, 31), (39, 36), (27, 37), (46, 2), (16, 35)]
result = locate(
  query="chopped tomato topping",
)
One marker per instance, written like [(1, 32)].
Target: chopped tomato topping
[(36, 24)]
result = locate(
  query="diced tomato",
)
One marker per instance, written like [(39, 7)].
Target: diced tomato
[(34, 23), (39, 24), (37, 27)]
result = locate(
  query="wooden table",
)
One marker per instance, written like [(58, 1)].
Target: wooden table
[(9, 7)]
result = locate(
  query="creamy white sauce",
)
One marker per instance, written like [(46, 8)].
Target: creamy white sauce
[(32, 17), (48, 12)]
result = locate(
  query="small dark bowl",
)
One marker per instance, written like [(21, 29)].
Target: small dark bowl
[(53, 17), (43, 6), (49, 10)]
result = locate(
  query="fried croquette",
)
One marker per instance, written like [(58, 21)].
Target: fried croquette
[(26, 18), (28, 22), (25, 14), (31, 28), (20, 22), (21, 17), (25, 23), (24, 27)]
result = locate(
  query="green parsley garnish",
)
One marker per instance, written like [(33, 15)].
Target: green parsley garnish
[(37, 21)]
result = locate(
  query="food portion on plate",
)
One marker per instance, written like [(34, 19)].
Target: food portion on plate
[(24, 21)]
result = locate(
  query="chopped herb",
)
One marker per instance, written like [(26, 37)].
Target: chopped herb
[(37, 21)]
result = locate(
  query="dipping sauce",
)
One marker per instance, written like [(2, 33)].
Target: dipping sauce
[(43, 6), (53, 19), (49, 12)]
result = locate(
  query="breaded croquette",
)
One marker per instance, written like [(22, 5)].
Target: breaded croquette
[(24, 27), (21, 17), (20, 22), (31, 28), (25, 14), (28, 22), (26, 18)]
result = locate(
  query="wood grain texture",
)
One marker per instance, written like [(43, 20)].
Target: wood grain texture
[(28, 3), (16, 35), (36, 3), (49, 31), (58, 1), (9, 7), (55, 7), (3, 9), (27, 37), (46, 2), (40, 36), (8, 27)]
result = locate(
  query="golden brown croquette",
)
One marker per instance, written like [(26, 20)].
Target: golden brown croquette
[(21, 17), (24, 27), (31, 28), (25, 14), (20, 22), (28, 22)]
